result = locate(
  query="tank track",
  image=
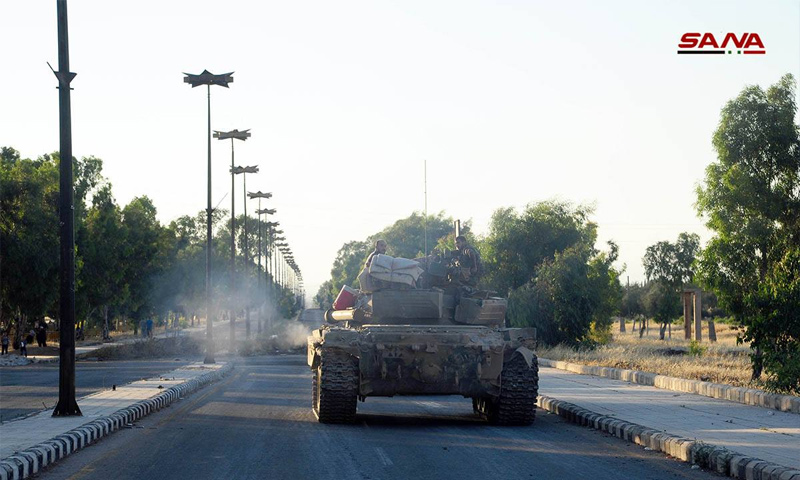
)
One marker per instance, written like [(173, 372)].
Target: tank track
[(519, 387), (335, 389)]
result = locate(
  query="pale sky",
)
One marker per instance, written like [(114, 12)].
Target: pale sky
[(510, 102)]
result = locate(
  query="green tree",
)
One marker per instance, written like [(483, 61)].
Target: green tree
[(571, 298), (29, 237), (143, 248), (668, 266), (103, 275), (751, 199), (518, 242), (557, 280), (633, 300), (405, 238)]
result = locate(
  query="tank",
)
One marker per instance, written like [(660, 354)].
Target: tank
[(437, 337)]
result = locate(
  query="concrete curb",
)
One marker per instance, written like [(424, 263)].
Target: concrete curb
[(718, 459), (30, 461), (747, 396)]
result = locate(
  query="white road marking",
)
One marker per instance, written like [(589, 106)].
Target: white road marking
[(384, 458)]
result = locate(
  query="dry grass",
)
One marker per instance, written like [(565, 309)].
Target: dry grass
[(720, 362)]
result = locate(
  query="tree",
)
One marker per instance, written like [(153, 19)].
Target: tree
[(104, 272), (143, 247), (518, 243), (29, 236), (570, 297), (668, 266), (751, 199), (557, 280), (633, 300), (29, 229), (405, 237)]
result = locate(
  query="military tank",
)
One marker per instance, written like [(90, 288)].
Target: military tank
[(442, 339)]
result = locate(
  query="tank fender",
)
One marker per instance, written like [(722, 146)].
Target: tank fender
[(313, 354), (526, 353)]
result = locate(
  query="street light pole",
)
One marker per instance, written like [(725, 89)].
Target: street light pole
[(67, 404), (270, 269), (244, 171), (233, 135), (207, 78), (259, 195)]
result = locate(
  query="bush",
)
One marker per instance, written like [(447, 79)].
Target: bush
[(568, 300), (695, 349)]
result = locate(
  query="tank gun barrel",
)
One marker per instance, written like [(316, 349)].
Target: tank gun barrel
[(349, 315)]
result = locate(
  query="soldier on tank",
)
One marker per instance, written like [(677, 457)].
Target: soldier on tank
[(470, 261), (380, 248)]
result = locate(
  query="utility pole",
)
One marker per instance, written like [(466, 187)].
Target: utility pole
[(233, 135), (67, 404), (207, 78), (244, 171)]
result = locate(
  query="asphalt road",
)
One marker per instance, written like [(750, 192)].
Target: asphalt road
[(33, 387), (257, 424)]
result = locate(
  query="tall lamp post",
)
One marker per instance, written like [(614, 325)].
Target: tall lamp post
[(259, 195), (67, 404), (233, 135), (280, 245), (268, 271), (244, 171), (207, 78)]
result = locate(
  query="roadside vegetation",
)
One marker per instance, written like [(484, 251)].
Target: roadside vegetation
[(721, 362), (129, 266)]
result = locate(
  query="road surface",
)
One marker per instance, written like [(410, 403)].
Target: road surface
[(257, 423)]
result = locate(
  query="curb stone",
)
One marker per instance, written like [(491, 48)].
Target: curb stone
[(31, 460), (747, 396), (711, 457)]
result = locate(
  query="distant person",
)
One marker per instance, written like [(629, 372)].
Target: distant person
[(149, 327), (4, 342), (380, 248), (470, 260), (30, 337), (23, 348), (79, 333), (41, 334)]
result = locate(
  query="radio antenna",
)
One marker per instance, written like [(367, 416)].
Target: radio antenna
[(425, 221)]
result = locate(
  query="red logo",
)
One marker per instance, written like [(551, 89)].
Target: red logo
[(731, 43)]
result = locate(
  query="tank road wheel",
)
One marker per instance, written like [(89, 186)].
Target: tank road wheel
[(519, 387), (335, 389)]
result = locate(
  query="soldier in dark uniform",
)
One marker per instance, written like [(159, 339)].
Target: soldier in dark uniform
[(470, 261)]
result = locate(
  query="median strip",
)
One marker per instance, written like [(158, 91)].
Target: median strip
[(34, 442)]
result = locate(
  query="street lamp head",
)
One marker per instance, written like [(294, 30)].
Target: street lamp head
[(208, 78), (237, 170), (266, 211), (258, 194), (272, 224), (243, 135)]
